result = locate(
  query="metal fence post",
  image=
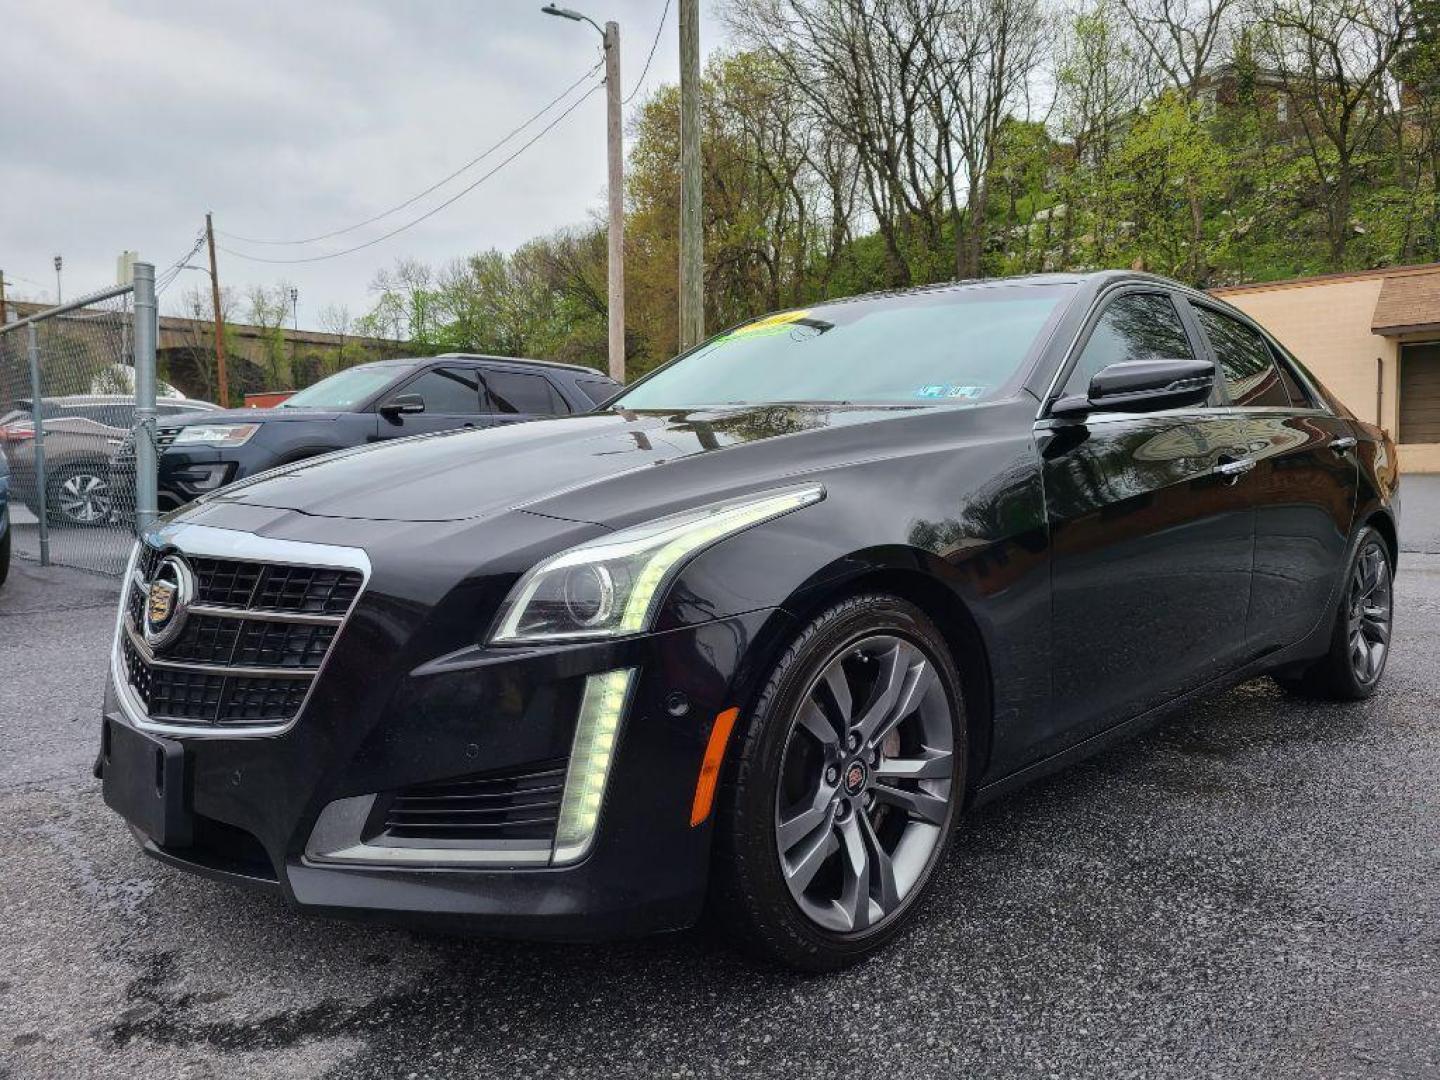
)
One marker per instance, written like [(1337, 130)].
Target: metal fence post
[(146, 463), (37, 412)]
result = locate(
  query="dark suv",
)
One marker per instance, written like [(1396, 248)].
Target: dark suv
[(364, 404)]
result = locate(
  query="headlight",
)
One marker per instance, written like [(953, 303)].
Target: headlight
[(610, 586), (215, 434)]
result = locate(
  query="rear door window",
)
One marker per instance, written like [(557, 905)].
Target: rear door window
[(1135, 326), (1251, 377), (517, 392), (448, 391)]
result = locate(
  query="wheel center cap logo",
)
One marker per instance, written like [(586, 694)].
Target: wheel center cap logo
[(855, 776), (167, 598)]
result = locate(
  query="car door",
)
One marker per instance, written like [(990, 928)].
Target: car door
[(1302, 485), (452, 399), (515, 396), (1150, 539)]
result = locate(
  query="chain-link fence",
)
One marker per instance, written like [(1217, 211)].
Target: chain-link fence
[(74, 386)]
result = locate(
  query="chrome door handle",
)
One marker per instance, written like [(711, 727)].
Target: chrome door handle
[(1342, 444), (1232, 471)]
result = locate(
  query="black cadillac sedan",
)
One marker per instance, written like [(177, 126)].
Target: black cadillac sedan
[(751, 636)]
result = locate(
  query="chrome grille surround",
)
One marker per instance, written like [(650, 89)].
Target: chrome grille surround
[(270, 658)]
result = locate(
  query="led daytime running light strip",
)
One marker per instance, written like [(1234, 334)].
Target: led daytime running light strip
[(695, 538), (602, 706)]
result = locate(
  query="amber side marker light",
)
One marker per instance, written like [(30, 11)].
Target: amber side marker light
[(710, 766)]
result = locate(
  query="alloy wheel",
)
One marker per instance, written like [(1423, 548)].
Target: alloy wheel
[(84, 498), (1369, 613), (866, 783)]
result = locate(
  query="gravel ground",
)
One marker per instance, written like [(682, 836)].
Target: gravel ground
[(1253, 889)]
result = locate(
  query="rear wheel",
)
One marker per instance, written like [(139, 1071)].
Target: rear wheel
[(1360, 640), (80, 495), (845, 788)]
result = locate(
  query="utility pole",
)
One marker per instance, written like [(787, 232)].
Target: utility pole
[(614, 136), (692, 241), (219, 318), (3, 320), (615, 150)]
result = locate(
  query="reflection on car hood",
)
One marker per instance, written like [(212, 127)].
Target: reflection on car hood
[(572, 467), (248, 416)]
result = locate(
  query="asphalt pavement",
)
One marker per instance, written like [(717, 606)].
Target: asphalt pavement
[(1252, 889)]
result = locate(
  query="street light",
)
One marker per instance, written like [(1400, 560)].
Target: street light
[(573, 16), (58, 263), (615, 148)]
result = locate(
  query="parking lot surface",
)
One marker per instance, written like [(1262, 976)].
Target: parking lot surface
[(1252, 889)]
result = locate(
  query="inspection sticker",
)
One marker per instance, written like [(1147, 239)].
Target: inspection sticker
[(943, 390)]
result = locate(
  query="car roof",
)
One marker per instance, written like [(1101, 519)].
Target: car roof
[(523, 361), (1094, 278), (115, 399)]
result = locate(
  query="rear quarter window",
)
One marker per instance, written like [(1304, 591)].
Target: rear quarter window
[(597, 390)]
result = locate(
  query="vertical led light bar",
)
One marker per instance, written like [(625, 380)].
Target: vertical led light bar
[(602, 705)]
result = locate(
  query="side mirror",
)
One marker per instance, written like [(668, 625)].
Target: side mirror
[(401, 404), (1142, 386)]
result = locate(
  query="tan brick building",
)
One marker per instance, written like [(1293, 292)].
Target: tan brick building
[(1373, 337)]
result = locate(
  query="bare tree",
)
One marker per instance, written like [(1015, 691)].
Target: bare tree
[(1100, 82), (336, 319), (1334, 59), (267, 308), (197, 332), (1187, 39), (986, 72), (867, 69)]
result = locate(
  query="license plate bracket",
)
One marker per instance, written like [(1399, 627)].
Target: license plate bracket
[(145, 783)]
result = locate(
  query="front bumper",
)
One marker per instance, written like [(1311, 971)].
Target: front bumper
[(255, 802), (186, 474)]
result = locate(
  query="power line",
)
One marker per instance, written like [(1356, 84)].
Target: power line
[(434, 210), (664, 14), (438, 184), (166, 277)]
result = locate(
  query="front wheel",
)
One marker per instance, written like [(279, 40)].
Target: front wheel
[(1360, 640), (844, 789)]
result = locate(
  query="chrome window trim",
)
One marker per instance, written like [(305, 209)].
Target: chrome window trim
[(1192, 297), (208, 541), (1281, 356), (1087, 324)]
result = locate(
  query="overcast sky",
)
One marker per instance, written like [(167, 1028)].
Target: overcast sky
[(123, 121)]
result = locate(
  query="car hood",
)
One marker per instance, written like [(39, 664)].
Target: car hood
[(584, 468), (249, 416)]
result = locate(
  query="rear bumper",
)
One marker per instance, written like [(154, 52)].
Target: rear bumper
[(256, 802)]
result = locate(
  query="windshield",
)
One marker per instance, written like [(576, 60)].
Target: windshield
[(946, 347), (347, 389)]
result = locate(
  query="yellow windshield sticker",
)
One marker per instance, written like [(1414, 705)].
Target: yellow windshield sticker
[(779, 323), (772, 322)]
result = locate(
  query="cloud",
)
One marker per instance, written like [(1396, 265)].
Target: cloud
[(125, 121)]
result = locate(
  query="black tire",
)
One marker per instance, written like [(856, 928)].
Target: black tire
[(5, 554), (749, 897), (98, 496), (1340, 675)]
